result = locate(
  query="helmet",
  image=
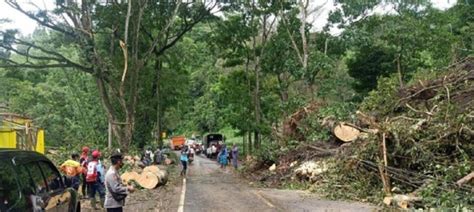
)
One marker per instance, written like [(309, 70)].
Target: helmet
[(85, 149), (95, 154)]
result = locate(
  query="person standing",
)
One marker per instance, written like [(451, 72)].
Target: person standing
[(213, 151), (184, 159), (84, 160), (222, 157), (235, 155), (158, 156), (94, 179), (116, 191), (73, 170)]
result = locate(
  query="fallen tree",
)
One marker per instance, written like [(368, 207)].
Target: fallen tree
[(421, 142)]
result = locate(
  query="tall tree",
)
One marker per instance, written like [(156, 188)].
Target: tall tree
[(143, 29)]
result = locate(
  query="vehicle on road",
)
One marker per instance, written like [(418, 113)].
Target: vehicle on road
[(191, 155), (177, 142), (30, 182), (213, 139), (198, 147), (195, 145)]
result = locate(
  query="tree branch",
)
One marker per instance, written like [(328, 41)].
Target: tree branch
[(160, 34), (33, 66), (45, 23), (60, 57)]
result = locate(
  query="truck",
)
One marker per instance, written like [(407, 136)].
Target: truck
[(177, 142), (19, 132), (213, 139)]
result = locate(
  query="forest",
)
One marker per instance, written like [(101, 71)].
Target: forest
[(266, 75)]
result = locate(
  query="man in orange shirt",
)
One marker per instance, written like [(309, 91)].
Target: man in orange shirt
[(73, 170)]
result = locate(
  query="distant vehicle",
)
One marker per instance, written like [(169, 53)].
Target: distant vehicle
[(191, 155), (195, 145), (198, 147), (215, 139), (177, 142), (30, 182)]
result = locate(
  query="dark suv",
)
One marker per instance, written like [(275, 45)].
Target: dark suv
[(30, 182)]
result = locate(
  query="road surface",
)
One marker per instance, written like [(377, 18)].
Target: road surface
[(209, 188)]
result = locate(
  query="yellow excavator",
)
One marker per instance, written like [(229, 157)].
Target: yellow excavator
[(19, 132)]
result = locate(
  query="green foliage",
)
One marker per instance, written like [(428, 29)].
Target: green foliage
[(368, 64), (382, 99), (64, 104)]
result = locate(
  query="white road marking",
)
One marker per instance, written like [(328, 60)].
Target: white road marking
[(183, 194), (263, 199)]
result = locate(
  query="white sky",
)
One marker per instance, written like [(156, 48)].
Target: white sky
[(27, 26)]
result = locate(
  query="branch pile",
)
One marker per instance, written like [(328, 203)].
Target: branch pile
[(423, 145), (291, 126)]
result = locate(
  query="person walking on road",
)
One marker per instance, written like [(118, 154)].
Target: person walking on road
[(222, 157), (235, 155), (184, 160), (116, 191)]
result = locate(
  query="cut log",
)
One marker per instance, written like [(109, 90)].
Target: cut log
[(272, 168), (147, 180), (168, 161), (163, 177), (465, 179), (152, 169), (127, 158), (405, 201), (128, 176), (345, 132)]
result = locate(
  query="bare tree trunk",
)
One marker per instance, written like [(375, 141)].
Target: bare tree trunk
[(304, 13), (250, 143), (158, 103), (244, 144), (399, 70), (257, 104)]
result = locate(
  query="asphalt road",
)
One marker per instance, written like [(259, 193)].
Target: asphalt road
[(210, 188)]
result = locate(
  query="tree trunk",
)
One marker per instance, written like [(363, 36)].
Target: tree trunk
[(121, 130), (257, 103), (244, 144), (250, 142), (399, 70), (158, 104)]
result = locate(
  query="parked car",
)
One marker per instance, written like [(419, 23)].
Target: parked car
[(30, 182)]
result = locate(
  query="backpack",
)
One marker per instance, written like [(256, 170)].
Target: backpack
[(84, 161), (91, 175)]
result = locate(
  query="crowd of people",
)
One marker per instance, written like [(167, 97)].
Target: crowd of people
[(220, 151), (87, 173)]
